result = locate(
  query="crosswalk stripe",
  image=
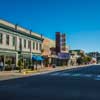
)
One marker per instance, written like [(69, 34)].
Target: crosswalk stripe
[(70, 74), (92, 76), (76, 75), (97, 77), (86, 75), (54, 74), (65, 74)]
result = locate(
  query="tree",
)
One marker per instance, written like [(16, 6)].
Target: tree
[(20, 64), (87, 59), (8, 65), (80, 60)]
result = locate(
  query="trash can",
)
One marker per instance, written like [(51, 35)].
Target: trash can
[(53, 65)]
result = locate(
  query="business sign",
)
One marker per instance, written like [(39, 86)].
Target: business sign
[(63, 55), (58, 42), (63, 42)]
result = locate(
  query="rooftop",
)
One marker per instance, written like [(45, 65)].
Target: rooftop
[(16, 27)]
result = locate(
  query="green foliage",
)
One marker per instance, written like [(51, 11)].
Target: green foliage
[(9, 62), (21, 65), (84, 60), (87, 59), (30, 62), (8, 67), (80, 60)]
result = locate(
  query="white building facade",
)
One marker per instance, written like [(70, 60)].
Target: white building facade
[(15, 40)]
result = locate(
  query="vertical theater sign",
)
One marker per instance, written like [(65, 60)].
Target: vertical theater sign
[(58, 42), (61, 50), (63, 42)]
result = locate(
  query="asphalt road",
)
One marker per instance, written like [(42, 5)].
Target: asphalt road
[(73, 84)]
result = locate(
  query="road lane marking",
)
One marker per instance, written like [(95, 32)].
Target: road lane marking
[(97, 77), (55, 74), (72, 74), (76, 75), (65, 74), (80, 75), (86, 75)]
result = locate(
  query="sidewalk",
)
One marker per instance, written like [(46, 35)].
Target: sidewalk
[(5, 75)]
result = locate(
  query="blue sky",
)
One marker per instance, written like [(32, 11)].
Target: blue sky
[(79, 19)]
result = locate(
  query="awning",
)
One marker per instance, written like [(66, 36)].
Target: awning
[(38, 58)]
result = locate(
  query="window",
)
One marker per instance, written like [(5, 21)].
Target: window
[(29, 44), (33, 45), (7, 39), (37, 46), (1, 38), (40, 46), (14, 41), (24, 43), (20, 44)]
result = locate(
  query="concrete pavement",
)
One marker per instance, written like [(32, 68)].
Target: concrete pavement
[(5, 75)]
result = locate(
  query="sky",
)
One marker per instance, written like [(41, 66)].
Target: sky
[(79, 19)]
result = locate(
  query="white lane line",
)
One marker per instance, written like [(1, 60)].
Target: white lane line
[(76, 75), (86, 75), (55, 74), (97, 78), (65, 74)]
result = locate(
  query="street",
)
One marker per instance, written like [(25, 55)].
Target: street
[(72, 84)]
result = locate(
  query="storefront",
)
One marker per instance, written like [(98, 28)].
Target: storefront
[(63, 59), (26, 57), (8, 59), (53, 60), (37, 61)]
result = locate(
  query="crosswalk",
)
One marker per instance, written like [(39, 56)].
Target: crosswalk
[(77, 75)]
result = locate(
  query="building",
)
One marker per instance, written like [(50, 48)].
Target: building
[(95, 55), (17, 42), (47, 44), (55, 52), (61, 45), (62, 50), (58, 42), (48, 51), (75, 54)]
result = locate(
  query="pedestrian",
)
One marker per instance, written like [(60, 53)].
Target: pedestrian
[(1, 64)]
